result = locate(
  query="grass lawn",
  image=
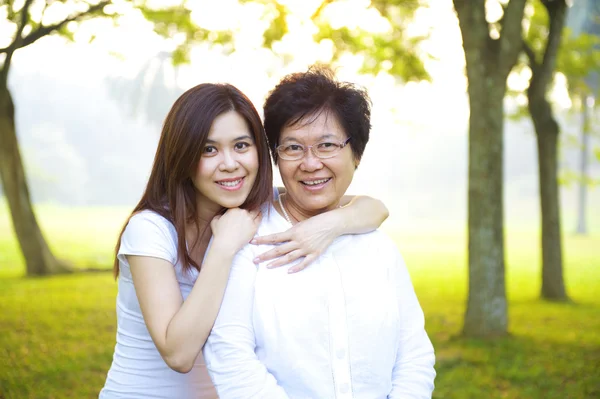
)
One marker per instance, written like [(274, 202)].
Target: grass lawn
[(57, 334)]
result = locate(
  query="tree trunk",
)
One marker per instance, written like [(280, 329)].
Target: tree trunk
[(547, 131), (583, 166), (38, 257), (488, 63), (486, 313)]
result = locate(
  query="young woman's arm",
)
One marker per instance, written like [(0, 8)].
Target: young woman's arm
[(310, 238), (179, 329)]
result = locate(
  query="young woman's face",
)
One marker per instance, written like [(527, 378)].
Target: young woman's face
[(228, 164)]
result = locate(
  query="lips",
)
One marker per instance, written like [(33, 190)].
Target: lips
[(315, 182), (233, 183)]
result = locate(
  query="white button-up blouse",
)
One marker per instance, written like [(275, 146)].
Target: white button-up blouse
[(348, 326)]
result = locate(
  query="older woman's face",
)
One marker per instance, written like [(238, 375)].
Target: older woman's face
[(316, 185)]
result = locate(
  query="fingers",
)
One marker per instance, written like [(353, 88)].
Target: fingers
[(284, 260), (272, 239), (308, 259), (281, 250)]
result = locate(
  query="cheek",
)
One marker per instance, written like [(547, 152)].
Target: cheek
[(205, 169), (250, 162), (286, 170), (344, 170)]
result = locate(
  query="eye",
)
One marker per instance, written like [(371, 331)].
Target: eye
[(209, 150), (241, 146), (327, 147), (294, 148)]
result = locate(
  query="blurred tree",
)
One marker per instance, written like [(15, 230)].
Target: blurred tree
[(151, 92), (550, 48), (491, 46), (579, 61), (541, 45), (30, 21)]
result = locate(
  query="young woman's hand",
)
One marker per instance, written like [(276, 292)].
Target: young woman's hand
[(307, 239), (235, 228)]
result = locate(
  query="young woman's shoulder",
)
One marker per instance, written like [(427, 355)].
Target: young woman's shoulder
[(149, 234)]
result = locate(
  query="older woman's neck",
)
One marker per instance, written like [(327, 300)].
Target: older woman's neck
[(298, 214)]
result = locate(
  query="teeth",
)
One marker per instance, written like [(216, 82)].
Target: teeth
[(230, 183), (315, 182)]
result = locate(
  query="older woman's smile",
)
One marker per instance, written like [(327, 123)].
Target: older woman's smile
[(315, 184)]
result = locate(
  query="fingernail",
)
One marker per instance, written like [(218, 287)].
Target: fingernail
[(253, 241), (256, 260), (292, 271)]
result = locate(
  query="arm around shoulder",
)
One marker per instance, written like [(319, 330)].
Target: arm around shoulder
[(361, 214)]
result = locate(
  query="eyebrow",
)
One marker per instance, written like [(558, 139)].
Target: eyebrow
[(325, 136), (244, 137)]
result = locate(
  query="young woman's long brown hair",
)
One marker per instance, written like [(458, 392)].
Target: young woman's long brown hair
[(170, 191)]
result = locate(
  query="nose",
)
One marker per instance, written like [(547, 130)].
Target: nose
[(229, 163), (310, 162)]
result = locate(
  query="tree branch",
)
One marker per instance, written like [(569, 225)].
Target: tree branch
[(510, 36), (318, 11), (474, 27), (46, 30), (16, 42), (533, 64), (557, 12)]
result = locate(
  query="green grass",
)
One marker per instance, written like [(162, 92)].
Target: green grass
[(57, 334)]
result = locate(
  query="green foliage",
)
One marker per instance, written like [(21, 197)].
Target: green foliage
[(538, 28), (394, 52), (579, 56), (278, 27), (170, 22)]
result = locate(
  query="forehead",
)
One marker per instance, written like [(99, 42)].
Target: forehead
[(228, 126), (313, 127)]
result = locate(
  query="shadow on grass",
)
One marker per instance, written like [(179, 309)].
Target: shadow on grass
[(517, 367)]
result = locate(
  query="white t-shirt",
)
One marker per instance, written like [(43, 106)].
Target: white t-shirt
[(138, 370)]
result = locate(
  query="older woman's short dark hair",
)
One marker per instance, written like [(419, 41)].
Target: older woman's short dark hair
[(302, 95)]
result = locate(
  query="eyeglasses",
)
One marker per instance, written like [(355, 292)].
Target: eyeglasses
[(323, 150)]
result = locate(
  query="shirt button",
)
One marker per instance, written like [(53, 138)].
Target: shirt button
[(344, 388), (341, 353)]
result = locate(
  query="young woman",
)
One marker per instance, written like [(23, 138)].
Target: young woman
[(211, 173)]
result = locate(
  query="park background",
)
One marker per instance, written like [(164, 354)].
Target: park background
[(88, 117)]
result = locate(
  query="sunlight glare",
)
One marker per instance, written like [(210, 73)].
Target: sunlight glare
[(356, 14)]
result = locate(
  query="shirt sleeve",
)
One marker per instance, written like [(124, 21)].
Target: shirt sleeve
[(413, 373), (229, 353), (148, 234)]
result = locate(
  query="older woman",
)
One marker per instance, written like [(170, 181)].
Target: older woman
[(349, 326)]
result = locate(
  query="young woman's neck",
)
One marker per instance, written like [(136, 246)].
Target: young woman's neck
[(205, 211), (198, 231)]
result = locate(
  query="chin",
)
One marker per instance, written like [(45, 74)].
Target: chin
[(231, 204), (321, 201), (235, 202)]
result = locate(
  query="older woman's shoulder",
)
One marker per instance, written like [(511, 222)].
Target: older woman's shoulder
[(377, 240)]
